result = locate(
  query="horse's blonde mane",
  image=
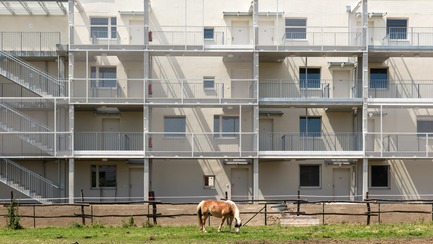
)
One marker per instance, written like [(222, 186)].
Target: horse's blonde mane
[(236, 213)]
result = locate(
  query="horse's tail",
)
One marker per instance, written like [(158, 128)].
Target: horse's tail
[(199, 212)]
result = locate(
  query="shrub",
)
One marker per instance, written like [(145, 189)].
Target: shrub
[(12, 217), (129, 222)]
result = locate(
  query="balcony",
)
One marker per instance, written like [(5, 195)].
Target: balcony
[(30, 44), (404, 145), (295, 144), (310, 38), (165, 37), (157, 91), (401, 38), (403, 90), (272, 91)]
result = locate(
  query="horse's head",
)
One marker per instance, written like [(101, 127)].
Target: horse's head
[(238, 225)]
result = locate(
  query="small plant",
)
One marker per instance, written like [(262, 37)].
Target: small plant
[(129, 223), (76, 225), (147, 224), (98, 225), (12, 217)]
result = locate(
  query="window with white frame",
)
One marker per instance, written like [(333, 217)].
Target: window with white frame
[(309, 175), (103, 77), (208, 33), (209, 181), (103, 175), (379, 78), (209, 83), (174, 126), (103, 27), (310, 126), (309, 77), (379, 176), (226, 126), (424, 126), (396, 28), (296, 28)]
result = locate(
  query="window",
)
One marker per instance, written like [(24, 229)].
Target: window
[(309, 77), (209, 83), (296, 28), (103, 77), (103, 175), (396, 28), (309, 175), (424, 125), (208, 33), (379, 176), (103, 28), (379, 78), (226, 126), (174, 126), (209, 181), (310, 126)]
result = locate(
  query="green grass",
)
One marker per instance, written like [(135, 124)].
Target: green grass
[(190, 234)]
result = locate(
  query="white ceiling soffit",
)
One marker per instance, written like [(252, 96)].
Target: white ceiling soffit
[(33, 7)]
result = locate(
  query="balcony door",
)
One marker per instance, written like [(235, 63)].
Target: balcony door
[(266, 33), (111, 134), (136, 184), (341, 183), (239, 180), (240, 33), (136, 32), (342, 83), (266, 136)]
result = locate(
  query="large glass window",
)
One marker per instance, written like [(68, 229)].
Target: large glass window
[(103, 27), (174, 126), (103, 77), (296, 28), (226, 126), (424, 125), (310, 126), (309, 78), (379, 176), (379, 78), (396, 28), (309, 175), (103, 175)]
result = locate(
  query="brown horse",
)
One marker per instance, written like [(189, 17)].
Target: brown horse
[(221, 209)]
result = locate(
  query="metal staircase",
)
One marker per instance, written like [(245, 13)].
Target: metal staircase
[(28, 182), (36, 133), (29, 77)]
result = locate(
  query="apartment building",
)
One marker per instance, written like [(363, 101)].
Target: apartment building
[(110, 100)]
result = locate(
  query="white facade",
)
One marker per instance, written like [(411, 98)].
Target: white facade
[(216, 99)]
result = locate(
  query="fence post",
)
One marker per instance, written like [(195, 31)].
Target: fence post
[(378, 215), (154, 210), (266, 214), (368, 209), (298, 203), (83, 218), (323, 213), (34, 217)]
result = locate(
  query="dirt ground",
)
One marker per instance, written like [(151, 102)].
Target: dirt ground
[(252, 215)]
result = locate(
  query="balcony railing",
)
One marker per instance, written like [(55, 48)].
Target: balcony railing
[(30, 43), (280, 89), (281, 141), (161, 144), (184, 37), (399, 144), (108, 141), (404, 37), (403, 89), (163, 91)]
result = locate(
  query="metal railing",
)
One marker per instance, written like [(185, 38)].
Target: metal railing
[(30, 77), (403, 89), (310, 89), (108, 141), (27, 181), (282, 141), (399, 144), (401, 36), (163, 91), (30, 43)]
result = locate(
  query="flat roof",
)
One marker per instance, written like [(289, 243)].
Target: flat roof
[(33, 7)]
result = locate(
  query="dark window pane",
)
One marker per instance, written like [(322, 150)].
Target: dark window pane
[(309, 78), (310, 175), (174, 124), (208, 83), (107, 77), (295, 28), (208, 33), (310, 126), (107, 176), (93, 170), (378, 78), (396, 28), (379, 176)]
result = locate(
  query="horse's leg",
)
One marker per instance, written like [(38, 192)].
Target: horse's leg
[(203, 223), (222, 222), (230, 224)]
